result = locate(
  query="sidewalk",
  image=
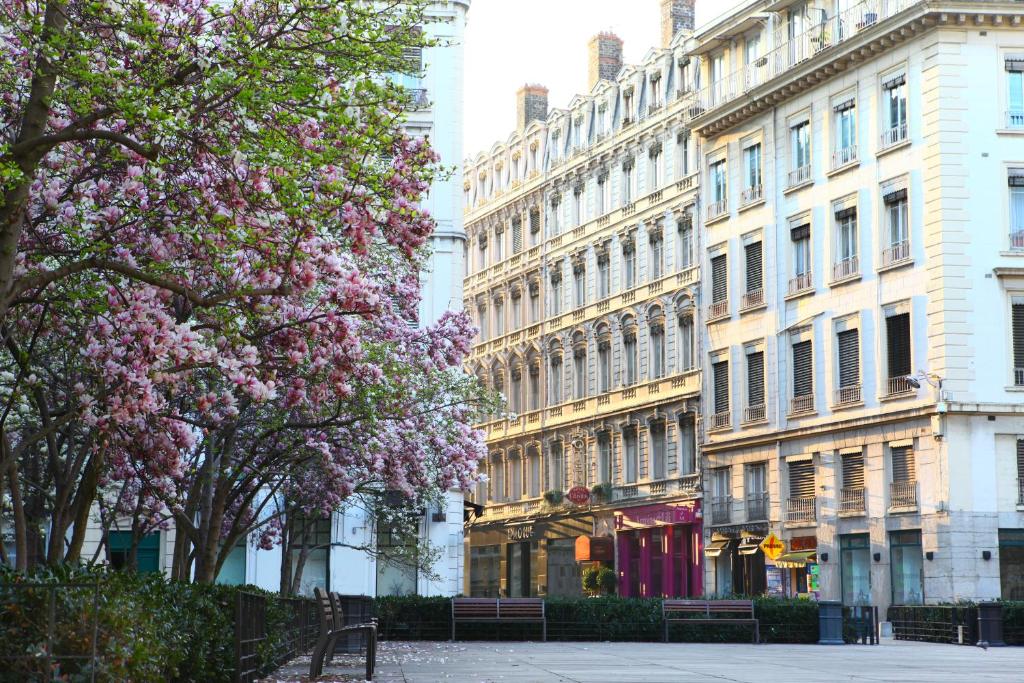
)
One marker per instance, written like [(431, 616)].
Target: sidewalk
[(517, 662)]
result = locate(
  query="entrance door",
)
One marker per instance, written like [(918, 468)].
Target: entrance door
[(519, 569), (855, 556)]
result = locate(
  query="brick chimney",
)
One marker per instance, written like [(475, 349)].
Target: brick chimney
[(605, 58), (531, 105), (676, 15)]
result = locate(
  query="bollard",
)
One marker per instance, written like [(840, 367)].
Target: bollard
[(990, 624), (830, 623)]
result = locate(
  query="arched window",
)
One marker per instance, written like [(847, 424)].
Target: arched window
[(685, 331), (629, 351), (533, 458), (498, 479), (533, 367), (555, 375), (579, 360), (604, 358), (556, 474), (656, 338), (515, 387), (515, 466), (498, 379)]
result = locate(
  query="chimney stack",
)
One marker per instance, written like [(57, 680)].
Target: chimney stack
[(531, 105), (605, 58), (676, 15)]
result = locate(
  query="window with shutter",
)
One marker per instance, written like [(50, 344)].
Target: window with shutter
[(849, 358), (801, 479), (720, 371), (517, 235), (897, 329), (1018, 343), (1020, 459), (853, 470), (719, 279), (755, 379), (754, 272), (903, 464), (803, 370)]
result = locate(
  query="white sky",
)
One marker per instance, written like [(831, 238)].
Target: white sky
[(512, 42)]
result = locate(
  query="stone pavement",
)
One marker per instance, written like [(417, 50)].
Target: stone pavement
[(516, 662)]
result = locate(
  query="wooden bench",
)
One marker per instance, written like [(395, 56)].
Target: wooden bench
[(498, 610), (710, 612), (332, 625)]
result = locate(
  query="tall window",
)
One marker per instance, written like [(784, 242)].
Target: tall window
[(555, 379), (853, 470), (556, 290), (499, 317), (556, 470), (752, 189), (656, 169), (483, 252), (604, 458), (577, 206), (534, 302), (1017, 330), (718, 188), (657, 254), (845, 126), (894, 101), (517, 308), (754, 284), (757, 491), (1016, 183), (897, 338), (555, 217), (687, 443), (604, 278), (721, 494), (1015, 91), (855, 563), (897, 226), (629, 264), (580, 370), (534, 386), (534, 225), (848, 344), (657, 432), (631, 454), (801, 479), (498, 486), (499, 243), (906, 563), (755, 385), (604, 365), (657, 340), (517, 234), (801, 238), (482, 312), (686, 339), (719, 279), (515, 465), (803, 376), (534, 459), (604, 195), (684, 230), (683, 154), (515, 389), (579, 284), (628, 182), (629, 351), (800, 137), (720, 380), (846, 263)]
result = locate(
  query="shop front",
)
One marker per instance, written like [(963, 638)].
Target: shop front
[(796, 573), (659, 550), (527, 558), (738, 563)]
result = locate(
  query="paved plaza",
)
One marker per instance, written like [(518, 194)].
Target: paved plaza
[(477, 662)]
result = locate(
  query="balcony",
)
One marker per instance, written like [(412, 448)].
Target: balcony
[(847, 268), (718, 309), (721, 420), (752, 299), (717, 209), (898, 386), (1015, 119), (801, 283), (799, 176), (903, 495), (852, 501), (418, 97), (844, 156), (720, 513), (752, 194), (801, 510), (847, 395), (753, 414), (757, 506), (801, 404), (1017, 240), (896, 253), (894, 136)]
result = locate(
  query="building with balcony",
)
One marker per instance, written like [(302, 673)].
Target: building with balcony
[(583, 280), (862, 173)]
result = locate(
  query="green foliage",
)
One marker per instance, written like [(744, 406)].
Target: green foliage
[(598, 580), (553, 497), (149, 628), (1013, 622), (602, 492)]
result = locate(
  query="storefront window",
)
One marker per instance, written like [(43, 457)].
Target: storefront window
[(907, 567), (855, 550), (1011, 563), (657, 563), (518, 570), (564, 577), (485, 571)]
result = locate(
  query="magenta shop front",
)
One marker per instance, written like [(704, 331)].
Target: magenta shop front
[(659, 550)]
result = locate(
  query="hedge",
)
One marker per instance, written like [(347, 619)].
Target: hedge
[(149, 628), (606, 618)]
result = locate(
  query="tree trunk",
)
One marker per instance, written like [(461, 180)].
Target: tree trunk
[(82, 506)]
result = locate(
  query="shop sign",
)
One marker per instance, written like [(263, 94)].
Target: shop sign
[(656, 515), (772, 546), (521, 532), (803, 543), (594, 549), (579, 495)]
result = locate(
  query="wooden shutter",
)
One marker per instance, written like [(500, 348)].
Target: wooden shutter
[(1018, 335), (720, 370), (853, 470), (534, 220), (1020, 458), (719, 279), (903, 464), (754, 272), (849, 358), (755, 378), (517, 235), (898, 335), (803, 369), (801, 479)]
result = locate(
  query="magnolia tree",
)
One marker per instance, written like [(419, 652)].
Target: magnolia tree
[(209, 251)]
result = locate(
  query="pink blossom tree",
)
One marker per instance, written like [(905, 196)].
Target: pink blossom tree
[(209, 252)]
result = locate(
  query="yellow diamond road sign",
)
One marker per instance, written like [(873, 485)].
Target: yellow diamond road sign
[(772, 547)]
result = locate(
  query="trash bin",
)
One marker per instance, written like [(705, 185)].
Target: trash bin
[(830, 622), (356, 609), (990, 624)]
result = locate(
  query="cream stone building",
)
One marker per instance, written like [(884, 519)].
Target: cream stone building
[(816, 210)]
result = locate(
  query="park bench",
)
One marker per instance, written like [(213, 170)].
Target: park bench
[(498, 610), (710, 612), (332, 625)]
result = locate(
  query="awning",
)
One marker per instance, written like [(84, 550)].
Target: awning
[(795, 560), (715, 548), (750, 546)]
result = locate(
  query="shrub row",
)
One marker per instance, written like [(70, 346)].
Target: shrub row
[(147, 628), (605, 618)]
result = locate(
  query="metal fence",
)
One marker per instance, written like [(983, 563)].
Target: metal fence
[(252, 639), (935, 623)]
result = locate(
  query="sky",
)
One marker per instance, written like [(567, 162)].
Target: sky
[(512, 42)]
